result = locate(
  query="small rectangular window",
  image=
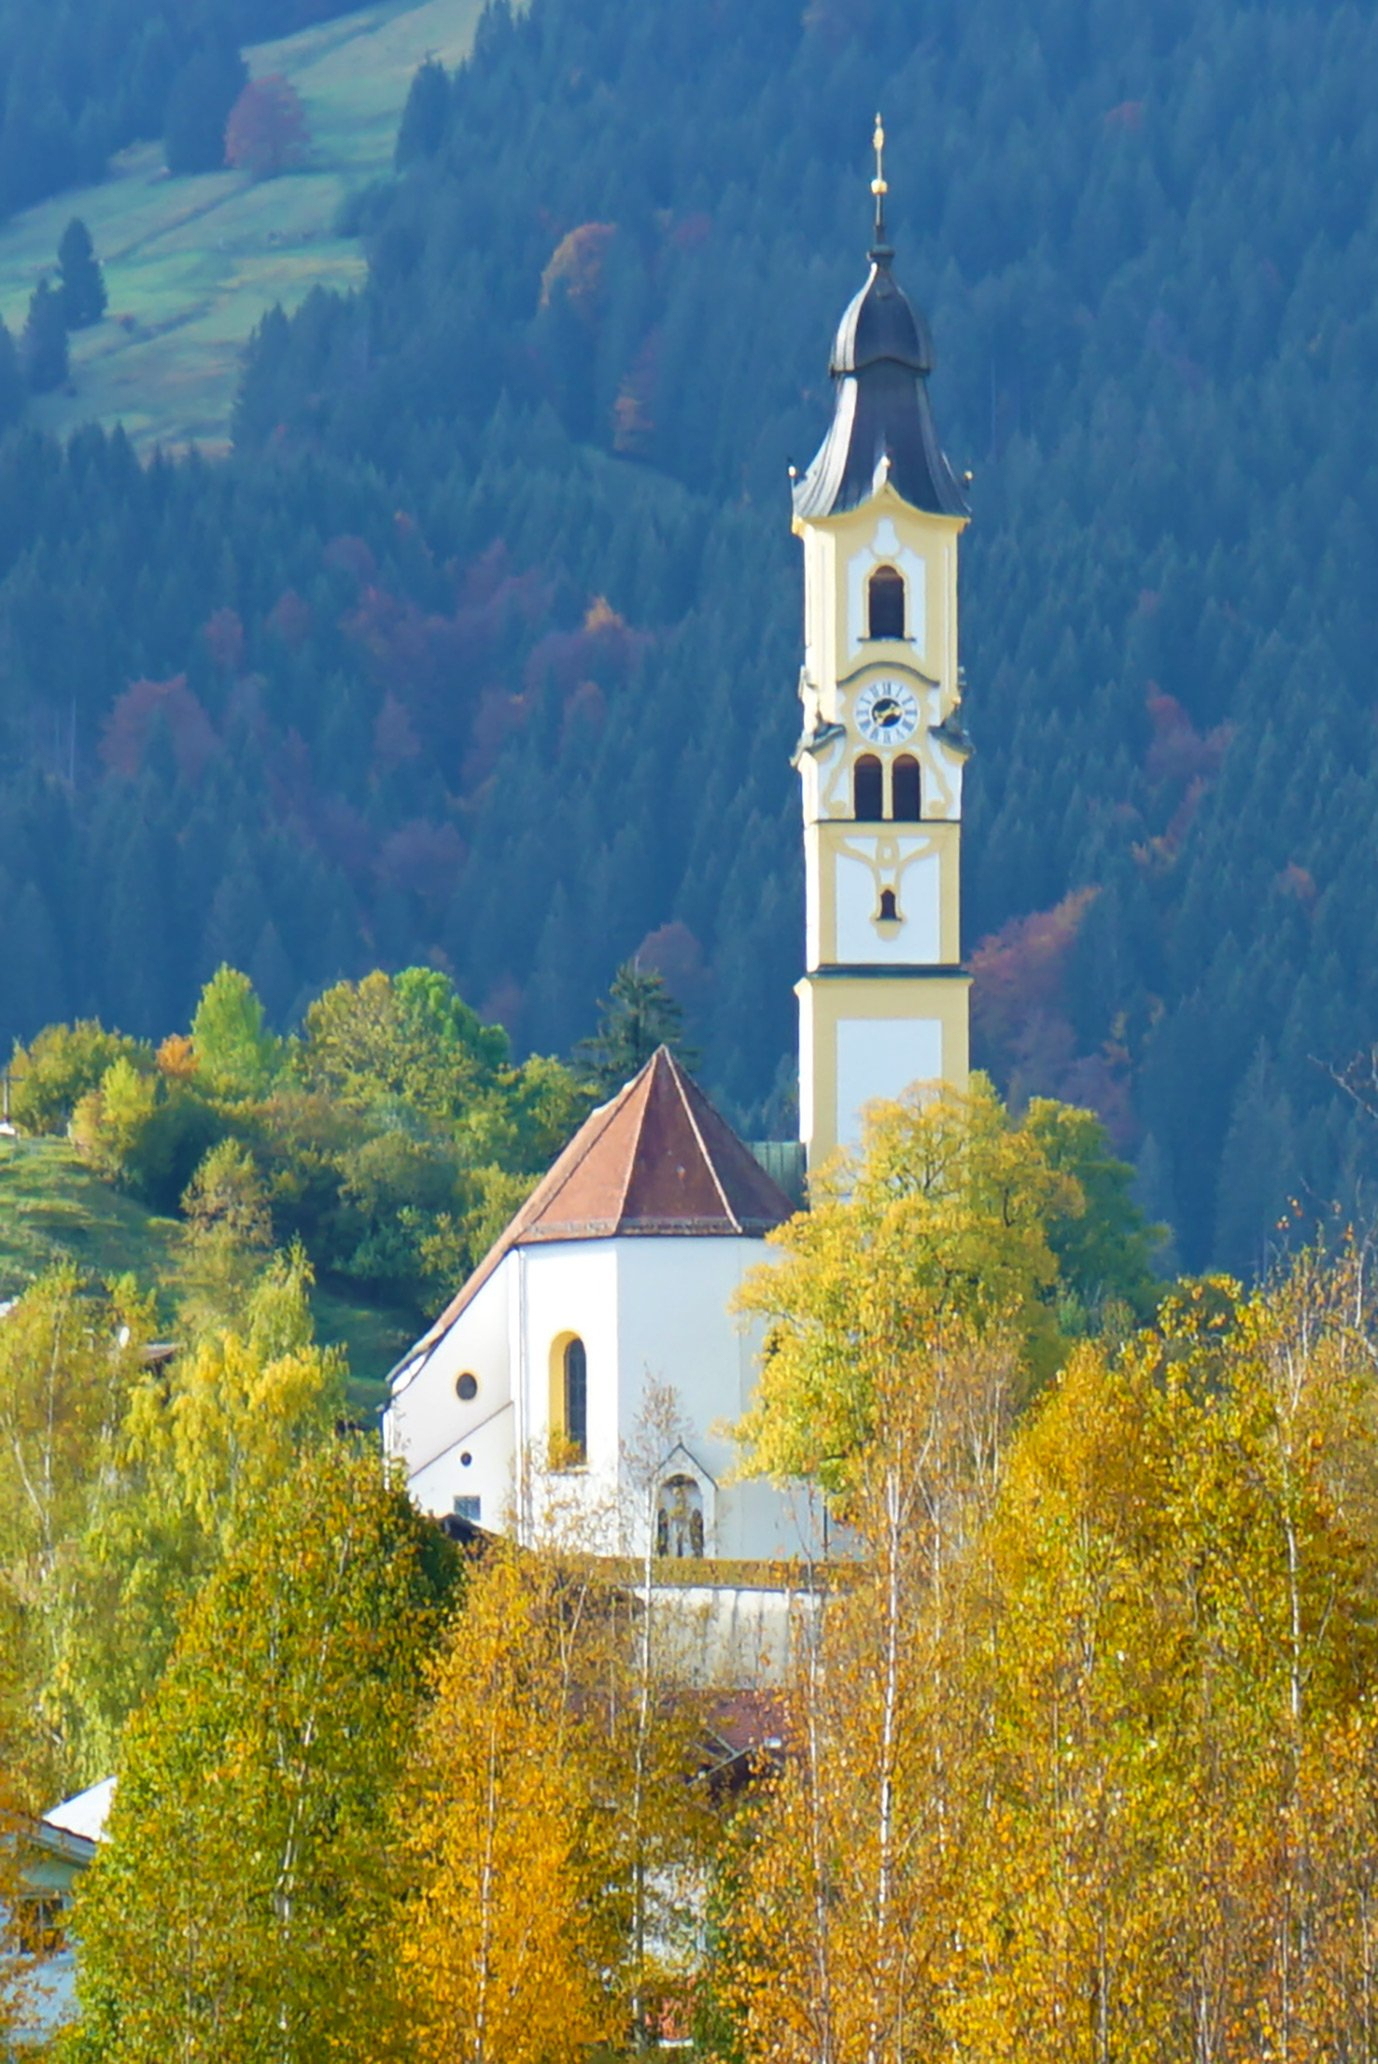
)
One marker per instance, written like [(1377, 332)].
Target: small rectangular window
[(470, 1509)]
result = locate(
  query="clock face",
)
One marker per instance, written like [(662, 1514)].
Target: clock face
[(887, 712)]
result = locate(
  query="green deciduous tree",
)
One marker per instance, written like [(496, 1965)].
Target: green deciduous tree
[(241, 1906), (236, 1054), (939, 1228), (58, 1066), (68, 1364)]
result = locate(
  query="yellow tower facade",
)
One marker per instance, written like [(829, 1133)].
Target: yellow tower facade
[(884, 1000)]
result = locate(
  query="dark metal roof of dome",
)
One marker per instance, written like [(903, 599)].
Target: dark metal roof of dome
[(880, 323), (882, 427)]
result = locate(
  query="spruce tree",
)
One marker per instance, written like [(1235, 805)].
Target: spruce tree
[(83, 282), (638, 1015), (44, 350), (12, 396)]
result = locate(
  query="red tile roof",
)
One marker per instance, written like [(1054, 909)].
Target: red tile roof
[(657, 1159)]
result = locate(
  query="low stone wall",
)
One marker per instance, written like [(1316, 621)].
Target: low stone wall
[(739, 1636)]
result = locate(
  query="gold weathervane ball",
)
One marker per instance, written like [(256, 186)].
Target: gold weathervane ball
[(878, 184)]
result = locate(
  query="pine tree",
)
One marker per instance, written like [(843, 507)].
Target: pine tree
[(12, 395), (424, 116), (44, 350), (638, 1015), (82, 281)]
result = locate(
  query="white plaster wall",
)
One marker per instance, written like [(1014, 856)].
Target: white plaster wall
[(884, 549), (570, 1286), (486, 1474), (862, 943), (677, 1329), (429, 1427), (882, 1057)]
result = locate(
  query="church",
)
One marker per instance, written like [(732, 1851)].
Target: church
[(599, 1332)]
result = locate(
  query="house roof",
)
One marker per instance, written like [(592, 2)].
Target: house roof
[(655, 1161), (75, 1825)]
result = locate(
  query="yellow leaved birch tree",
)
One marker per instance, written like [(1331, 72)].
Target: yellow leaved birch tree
[(510, 1929)]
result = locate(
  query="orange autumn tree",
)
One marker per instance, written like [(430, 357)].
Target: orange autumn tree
[(1103, 1787), (505, 1824)]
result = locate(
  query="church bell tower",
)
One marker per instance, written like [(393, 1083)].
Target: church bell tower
[(883, 1002)]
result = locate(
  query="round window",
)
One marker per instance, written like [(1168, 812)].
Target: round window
[(466, 1387)]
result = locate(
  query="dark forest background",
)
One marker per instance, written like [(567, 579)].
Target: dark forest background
[(481, 650)]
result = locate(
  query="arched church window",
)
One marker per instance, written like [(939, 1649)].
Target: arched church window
[(885, 603), (906, 789), (679, 1518), (868, 790), (889, 909), (576, 1397)]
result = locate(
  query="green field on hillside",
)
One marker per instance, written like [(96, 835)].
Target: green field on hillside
[(192, 264), (52, 1206)]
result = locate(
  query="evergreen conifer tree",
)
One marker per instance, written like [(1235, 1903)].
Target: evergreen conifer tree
[(11, 380), (424, 116), (82, 281), (44, 350), (637, 1015)]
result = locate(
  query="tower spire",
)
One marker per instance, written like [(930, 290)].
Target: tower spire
[(880, 188)]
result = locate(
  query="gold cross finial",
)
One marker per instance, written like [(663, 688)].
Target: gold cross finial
[(879, 185)]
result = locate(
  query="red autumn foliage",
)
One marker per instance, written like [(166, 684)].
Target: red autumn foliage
[(349, 554), (422, 859), (124, 741), (1178, 752), (675, 954), (290, 617), (498, 715), (267, 131), (1298, 882), (1020, 968)]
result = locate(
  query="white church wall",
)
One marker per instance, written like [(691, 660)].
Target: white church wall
[(882, 1057), (431, 1427), (569, 1290), (677, 1329), (914, 868)]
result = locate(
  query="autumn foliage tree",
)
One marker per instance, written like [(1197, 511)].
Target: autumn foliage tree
[(512, 1924), (1098, 1782), (267, 131), (237, 1909)]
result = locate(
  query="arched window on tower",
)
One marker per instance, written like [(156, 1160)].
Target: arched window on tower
[(868, 790), (576, 1398), (906, 790), (885, 603), (889, 907)]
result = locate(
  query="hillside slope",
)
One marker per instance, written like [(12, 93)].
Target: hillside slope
[(482, 649), (52, 1208), (192, 264)]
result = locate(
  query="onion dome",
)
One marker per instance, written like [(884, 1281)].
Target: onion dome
[(882, 426)]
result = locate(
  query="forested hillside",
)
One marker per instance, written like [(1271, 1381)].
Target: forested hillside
[(482, 649)]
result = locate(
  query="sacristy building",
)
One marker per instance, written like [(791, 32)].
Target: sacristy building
[(544, 1381)]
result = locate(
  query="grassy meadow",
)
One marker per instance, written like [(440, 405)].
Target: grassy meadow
[(192, 264), (52, 1206)]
